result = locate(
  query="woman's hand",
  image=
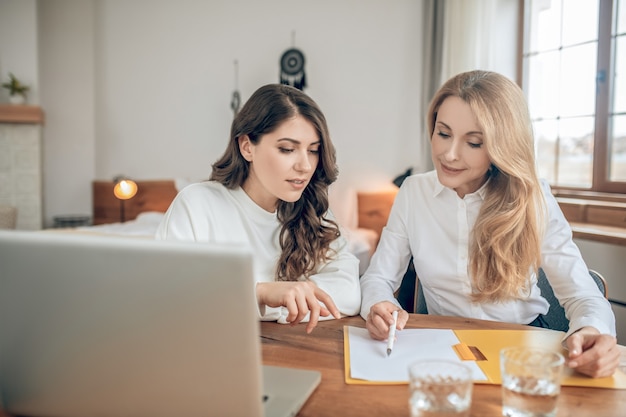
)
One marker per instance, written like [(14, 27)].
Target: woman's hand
[(591, 353), (380, 319), (299, 298)]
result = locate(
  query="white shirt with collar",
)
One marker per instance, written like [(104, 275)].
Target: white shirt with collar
[(433, 224), (209, 212)]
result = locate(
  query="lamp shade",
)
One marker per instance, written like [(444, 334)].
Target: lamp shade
[(125, 189)]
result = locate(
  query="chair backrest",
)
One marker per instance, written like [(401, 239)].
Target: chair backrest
[(410, 294), (555, 317), (600, 281)]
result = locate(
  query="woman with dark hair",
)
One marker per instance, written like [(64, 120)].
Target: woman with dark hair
[(270, 191)]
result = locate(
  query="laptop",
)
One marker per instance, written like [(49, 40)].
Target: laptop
[(107, 326)]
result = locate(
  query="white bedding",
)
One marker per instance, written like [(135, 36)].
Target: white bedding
[(145, 225)]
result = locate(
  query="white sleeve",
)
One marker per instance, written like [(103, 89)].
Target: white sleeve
[(391, 259), (339, 278), (569, 276), (187, 218)]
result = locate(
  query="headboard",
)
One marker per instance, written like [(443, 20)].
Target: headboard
[(152, 195), (374, 208), (157, 195)]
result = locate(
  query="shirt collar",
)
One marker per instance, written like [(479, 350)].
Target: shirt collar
[(438, 186), (481, 192)]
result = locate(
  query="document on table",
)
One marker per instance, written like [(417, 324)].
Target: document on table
[(367, 360)]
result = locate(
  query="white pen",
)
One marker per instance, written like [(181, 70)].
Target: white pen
[(392, 332)]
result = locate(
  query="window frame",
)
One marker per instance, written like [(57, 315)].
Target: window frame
[(602, 188)]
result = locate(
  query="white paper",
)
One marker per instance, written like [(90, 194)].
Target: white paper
[(369, 360)]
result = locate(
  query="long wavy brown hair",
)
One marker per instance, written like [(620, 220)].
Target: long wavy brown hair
[(506, 238), (306, 232)]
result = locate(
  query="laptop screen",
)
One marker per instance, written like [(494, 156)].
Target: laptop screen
[(93, 326)]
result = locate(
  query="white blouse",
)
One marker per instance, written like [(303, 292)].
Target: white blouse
[(433, 224), (209, 212)]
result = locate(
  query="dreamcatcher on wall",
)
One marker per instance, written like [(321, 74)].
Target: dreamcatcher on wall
[(292, 68), (235, 101)]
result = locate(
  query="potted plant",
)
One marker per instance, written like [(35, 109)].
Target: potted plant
[(17, 90)]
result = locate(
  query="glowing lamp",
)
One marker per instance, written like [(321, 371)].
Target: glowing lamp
[(124, 189)]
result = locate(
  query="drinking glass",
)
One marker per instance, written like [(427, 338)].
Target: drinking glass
[(440, 388), (531, 381)]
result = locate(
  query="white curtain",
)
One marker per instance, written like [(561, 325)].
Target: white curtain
[(469, 41), (433, 29), (458, 36)]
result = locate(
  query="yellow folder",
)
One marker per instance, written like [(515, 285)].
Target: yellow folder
[(490, 342)]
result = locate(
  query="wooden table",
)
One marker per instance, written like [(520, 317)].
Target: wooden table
[(322, 350)]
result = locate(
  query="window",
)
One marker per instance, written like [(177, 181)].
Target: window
[(574, 77)]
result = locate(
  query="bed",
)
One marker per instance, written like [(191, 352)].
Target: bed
[(362, 215)]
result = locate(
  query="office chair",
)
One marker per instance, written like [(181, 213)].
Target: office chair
[(410, 294), (411, 298), (556, 314)]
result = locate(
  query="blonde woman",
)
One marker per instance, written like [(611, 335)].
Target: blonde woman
[(481, 224), (269, 191)]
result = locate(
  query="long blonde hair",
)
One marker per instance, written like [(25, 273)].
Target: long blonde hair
[(506, 238)]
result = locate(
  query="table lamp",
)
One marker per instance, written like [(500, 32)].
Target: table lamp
[(124, 189)]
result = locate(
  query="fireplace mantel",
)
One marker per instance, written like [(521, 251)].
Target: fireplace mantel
[(10, 113)]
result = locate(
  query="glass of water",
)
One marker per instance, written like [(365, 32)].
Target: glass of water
[(440, 388), (531, 381)]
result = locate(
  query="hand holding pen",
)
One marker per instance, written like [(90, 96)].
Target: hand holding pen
[(380, 319)]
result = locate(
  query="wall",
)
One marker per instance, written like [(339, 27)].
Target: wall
[(66, 38), (20, 145), (163, 75), (143, 88), (18, 45)]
